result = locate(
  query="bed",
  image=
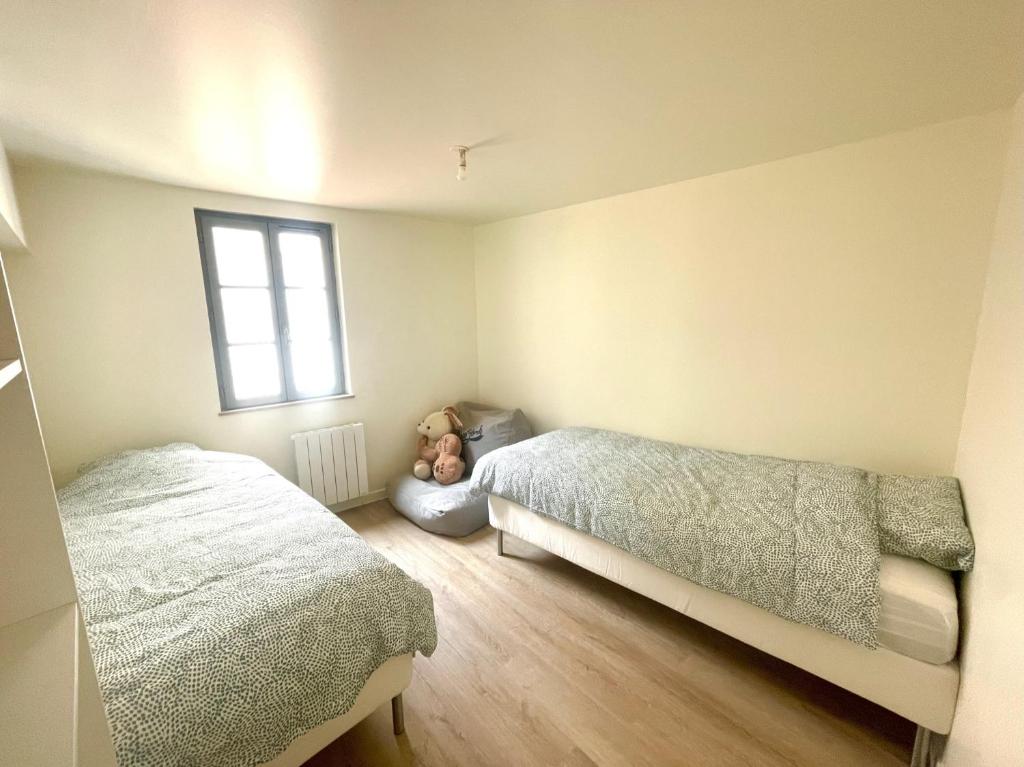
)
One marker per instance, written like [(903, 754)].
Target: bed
[(883, 626), (233, 620)]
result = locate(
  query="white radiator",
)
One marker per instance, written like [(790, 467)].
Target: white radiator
[(332, 463)]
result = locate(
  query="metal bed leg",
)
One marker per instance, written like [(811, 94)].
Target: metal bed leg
[(501, 543), (926, 747), (398, 714)]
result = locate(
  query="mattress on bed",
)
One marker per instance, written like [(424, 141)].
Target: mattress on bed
[(227, 611), (918, 616), (797, 538)]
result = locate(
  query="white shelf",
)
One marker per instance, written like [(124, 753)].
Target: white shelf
[(9, 369)]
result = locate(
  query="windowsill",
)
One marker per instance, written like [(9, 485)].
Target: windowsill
[(286, 404)]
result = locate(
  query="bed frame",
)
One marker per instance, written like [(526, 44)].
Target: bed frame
[(386, 683), (922, 692)]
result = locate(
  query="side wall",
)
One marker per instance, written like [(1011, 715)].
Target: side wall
[(822, 306), (115, 325), (989, 724), (12, 238)]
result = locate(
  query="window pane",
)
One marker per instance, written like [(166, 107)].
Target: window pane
[(307, 314), (302, 260), (254, 371), (240, 256), (247, 315), (314, 367)]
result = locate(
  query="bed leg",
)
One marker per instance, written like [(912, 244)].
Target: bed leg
[(501, 543), (398, 714), (926, 748)]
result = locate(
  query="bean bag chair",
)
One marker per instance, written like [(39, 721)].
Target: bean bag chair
[(443, 509), (452, 509)]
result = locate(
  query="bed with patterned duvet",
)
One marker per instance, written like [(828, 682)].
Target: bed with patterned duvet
[(228, 612), (828, 567)]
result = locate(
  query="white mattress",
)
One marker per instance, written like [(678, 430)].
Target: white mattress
[(919, 610)]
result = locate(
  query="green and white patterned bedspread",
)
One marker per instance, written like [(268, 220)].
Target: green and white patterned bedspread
[(799, 539), (227, 611)]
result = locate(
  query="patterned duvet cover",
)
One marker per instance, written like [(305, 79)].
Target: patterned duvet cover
[(799, 539), (227, 611)]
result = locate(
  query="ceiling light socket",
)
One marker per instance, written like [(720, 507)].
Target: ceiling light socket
[(460, 173)]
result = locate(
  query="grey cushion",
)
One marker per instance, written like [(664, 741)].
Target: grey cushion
[(448, 510), (486, 428)]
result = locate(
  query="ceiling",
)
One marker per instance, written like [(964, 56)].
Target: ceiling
[(355, 104)]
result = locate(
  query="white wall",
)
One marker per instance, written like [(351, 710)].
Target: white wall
[(822, 306), (989, 724), (114, 322)]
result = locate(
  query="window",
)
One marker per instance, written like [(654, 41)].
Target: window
[(273, 303)]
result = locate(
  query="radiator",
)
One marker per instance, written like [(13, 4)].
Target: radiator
[(332, 463)]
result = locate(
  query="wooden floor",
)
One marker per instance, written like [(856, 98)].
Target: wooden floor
[(542, 663)]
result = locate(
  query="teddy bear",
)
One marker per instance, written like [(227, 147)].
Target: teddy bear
[(449, 466), (439, 448)]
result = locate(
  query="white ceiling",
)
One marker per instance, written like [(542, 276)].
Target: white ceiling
[(355, 104)]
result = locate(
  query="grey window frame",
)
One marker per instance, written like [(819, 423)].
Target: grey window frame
[(270, 228)]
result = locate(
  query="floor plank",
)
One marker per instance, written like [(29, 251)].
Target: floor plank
[(542, 663)]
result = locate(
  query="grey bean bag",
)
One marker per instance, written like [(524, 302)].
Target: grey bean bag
[(486, 428), (452, 509), (448, 510)]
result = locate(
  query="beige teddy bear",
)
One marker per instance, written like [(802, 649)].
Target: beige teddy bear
[(439, 448)]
